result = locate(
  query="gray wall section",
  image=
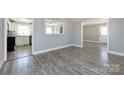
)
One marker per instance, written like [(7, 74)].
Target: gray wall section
[(43, 41), (77, 33), (116, 35), (91, 32), (1, 38)]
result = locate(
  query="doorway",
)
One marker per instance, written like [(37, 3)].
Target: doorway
[(103, 33), (19, 38), (95, 34)]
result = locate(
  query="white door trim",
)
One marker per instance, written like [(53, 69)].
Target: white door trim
[(5, 39), (107, 36)]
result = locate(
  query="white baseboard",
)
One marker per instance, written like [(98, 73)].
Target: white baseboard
[(94, 41), (116, 53), (91, 41), (80, 46), (52, 49)]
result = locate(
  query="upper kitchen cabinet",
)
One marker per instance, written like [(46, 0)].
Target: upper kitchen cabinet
[(13, 26)]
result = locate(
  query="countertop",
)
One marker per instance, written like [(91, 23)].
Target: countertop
[(19, 36)]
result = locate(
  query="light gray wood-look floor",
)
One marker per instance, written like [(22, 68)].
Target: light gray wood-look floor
[(20, 51), (92, 59)]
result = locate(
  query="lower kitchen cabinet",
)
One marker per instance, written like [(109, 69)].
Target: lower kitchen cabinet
[(22, 40), (10, 43)]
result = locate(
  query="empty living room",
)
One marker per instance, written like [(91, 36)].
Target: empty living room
[(61, 46), (67, 46)]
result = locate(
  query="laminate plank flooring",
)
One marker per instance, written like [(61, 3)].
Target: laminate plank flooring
[(20, 51), (92, 59)]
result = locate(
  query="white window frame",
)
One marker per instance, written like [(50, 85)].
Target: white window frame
[(48, 27), (53, 31), (101, 30), (24, 34)]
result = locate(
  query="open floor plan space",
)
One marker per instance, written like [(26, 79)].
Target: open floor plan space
[(61, 46), (92, 59)]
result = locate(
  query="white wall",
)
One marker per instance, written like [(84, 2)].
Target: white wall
[(91, 21), (116, 35)]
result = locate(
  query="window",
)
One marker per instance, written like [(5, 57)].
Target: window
[(24, 30), (54, 27), (103, 30), (49, 30)]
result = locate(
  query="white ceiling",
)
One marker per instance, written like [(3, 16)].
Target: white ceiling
[(21, 20), (95, 21), (78, 19), (85, 20), (69, 19), (53, 22), (72, 19)]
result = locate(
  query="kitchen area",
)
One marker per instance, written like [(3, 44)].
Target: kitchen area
[(19, 38)]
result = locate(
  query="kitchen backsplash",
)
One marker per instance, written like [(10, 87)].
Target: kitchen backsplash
[(14, 33)]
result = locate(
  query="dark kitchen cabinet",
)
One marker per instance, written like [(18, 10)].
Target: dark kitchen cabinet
[(30, 40), (10, 43)]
